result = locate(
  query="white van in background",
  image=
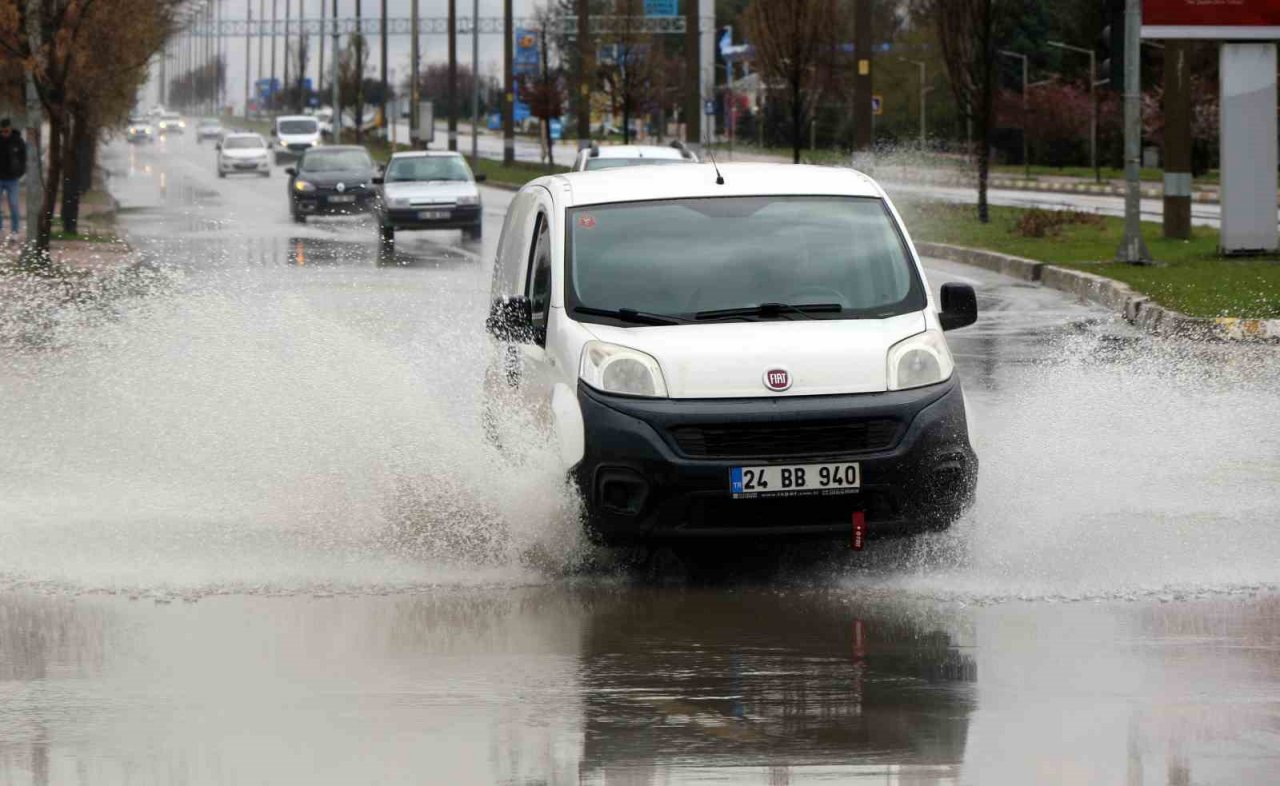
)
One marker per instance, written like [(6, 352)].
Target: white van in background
[(293, 135)]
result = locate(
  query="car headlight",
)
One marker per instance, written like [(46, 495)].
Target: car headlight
[(398, 202), (616, 369), (469, 199), (304, 186), (920, 360)]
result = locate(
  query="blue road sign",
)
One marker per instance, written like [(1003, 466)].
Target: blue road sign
[(526, 56), (661, 7)]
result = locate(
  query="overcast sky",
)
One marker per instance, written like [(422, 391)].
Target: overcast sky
[(433, 46)]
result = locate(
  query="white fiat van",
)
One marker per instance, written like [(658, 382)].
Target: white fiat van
[(746, 352)]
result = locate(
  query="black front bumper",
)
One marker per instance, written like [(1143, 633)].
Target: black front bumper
[(459, 217), (639, 480), (322, 204)]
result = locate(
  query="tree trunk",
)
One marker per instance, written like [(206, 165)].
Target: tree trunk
[(985, 100), (76, 171), (797, 122), (551, 145), (44, 221)]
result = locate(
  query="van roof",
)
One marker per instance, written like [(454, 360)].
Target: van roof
[(638, 184)]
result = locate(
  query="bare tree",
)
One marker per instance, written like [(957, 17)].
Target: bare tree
[(794, 41), (626, 76), (965, 37)]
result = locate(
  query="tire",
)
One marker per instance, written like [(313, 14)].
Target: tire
[(474, 232), (387, 238), (222, 174), (298, 218)]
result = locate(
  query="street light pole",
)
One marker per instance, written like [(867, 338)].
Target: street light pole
[(1026, 155), (475, 82), (451, 93), (335, 121), (414, 131), (923, 89), (1093, 103)]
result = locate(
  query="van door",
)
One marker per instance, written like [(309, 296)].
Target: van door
[(537, 366)]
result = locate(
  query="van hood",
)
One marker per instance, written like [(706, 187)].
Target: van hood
[(300, 139), (729, 359)]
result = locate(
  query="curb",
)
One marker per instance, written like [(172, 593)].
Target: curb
[(1134, 306)]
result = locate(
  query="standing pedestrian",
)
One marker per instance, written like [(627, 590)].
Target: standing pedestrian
[(13, 165)]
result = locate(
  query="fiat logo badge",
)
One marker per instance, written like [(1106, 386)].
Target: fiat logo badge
[(777, 379), (342, 187)]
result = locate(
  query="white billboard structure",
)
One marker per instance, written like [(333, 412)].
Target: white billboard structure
[(1247, 107)]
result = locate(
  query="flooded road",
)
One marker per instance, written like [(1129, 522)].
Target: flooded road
[(251, 533)]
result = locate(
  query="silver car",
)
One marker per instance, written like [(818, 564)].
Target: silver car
[(428, 189)]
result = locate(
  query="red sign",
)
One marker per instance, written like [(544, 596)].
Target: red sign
[(1223, 19)]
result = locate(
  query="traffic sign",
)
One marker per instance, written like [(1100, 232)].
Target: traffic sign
[(708, 107), (877, 105)]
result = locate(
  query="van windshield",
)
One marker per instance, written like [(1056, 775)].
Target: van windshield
[(296, 127), (686, 257)]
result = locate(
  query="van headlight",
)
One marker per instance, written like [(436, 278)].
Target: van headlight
[(615, 369), (920, 360)]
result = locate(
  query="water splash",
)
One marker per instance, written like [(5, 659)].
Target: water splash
[(231, 434)]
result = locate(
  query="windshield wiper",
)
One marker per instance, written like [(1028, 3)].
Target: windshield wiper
[(772, 310), (631, 315)]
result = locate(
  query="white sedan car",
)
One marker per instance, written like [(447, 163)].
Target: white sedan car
[(614, 156), (243, 154)]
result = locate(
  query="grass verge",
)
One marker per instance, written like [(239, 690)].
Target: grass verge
[(1191, 277)]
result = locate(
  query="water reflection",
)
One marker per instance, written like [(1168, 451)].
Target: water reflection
[(677, 682)]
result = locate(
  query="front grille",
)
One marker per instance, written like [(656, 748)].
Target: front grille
[(299, 147), (784, 440)]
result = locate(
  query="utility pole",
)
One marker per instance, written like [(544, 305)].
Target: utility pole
[(586, 66), (382, 102), (862, 85), (693, 76), (336, 122), (1026, 156), (509, 86), (358, 56), (1177, 140), (288, 4), (475, 82), (1093, 103), (320, 41), (248, 53), (262, 39), (271, 89), (1134, 248), (414, 133), (451, 93)]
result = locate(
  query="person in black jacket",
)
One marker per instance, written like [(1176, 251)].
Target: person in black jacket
[(13, 165)]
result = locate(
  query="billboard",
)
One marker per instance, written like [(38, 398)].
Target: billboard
[(1232, 20)]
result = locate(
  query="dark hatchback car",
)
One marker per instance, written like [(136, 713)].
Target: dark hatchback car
[(335, 180)]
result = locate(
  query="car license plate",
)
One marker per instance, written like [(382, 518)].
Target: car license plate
[(795, 480), (337, 199), (433, 215)]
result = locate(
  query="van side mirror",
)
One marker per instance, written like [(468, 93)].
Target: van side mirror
[(291, 170), (511, 319), (959, 306), (480, 178)]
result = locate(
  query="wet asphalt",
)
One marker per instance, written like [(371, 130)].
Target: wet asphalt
[(195, 587)]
